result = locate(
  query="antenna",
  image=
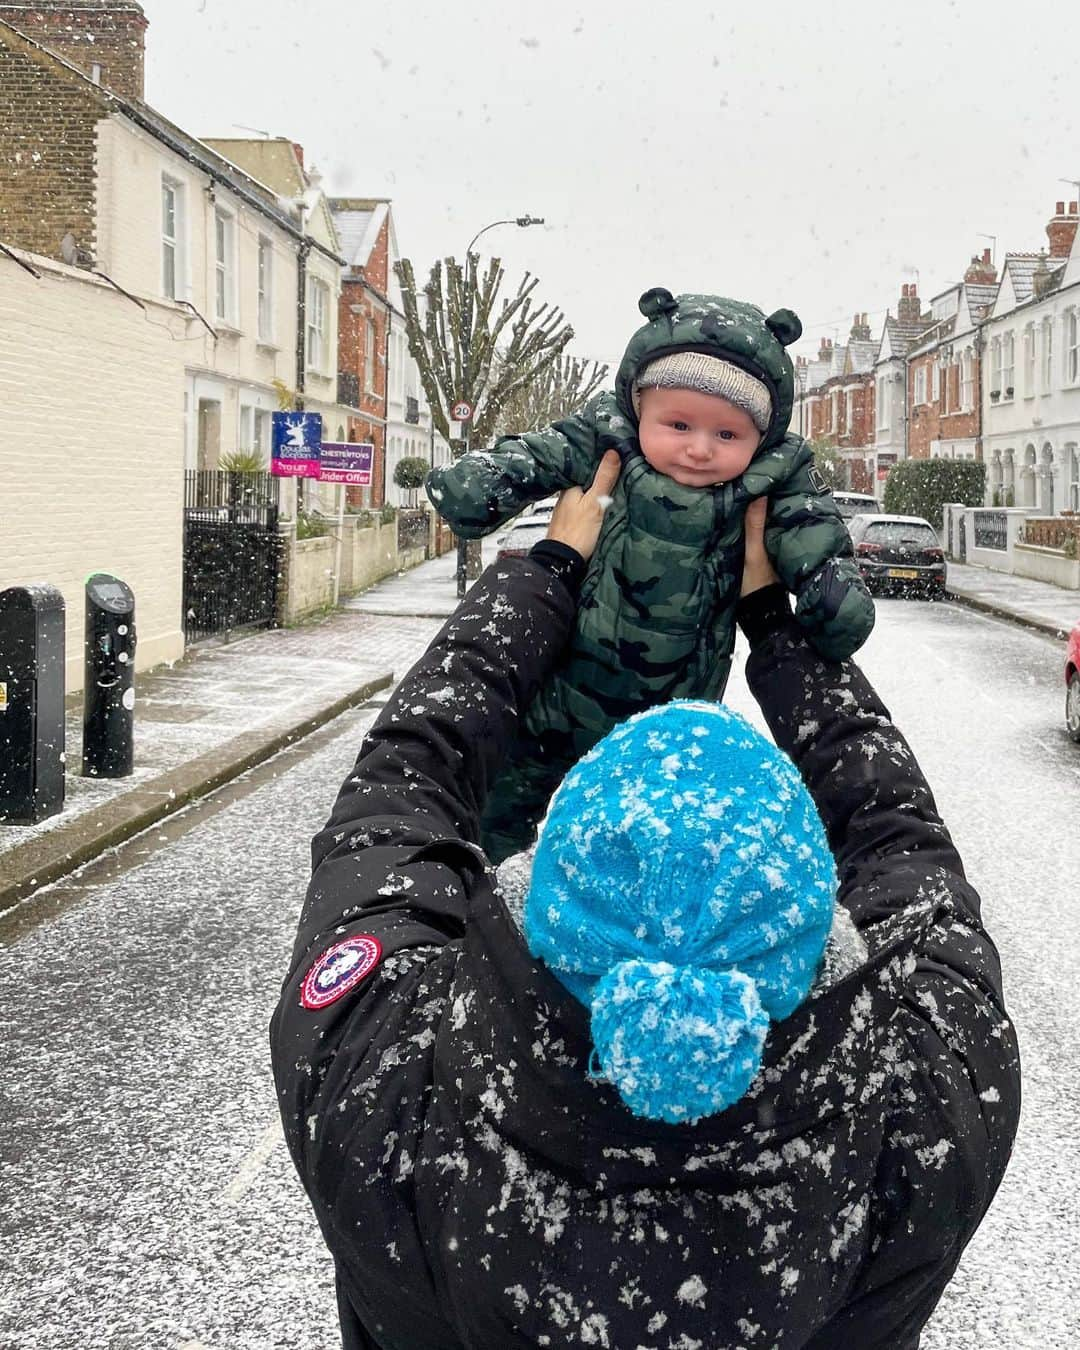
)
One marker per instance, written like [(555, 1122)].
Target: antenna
[(257, 130)]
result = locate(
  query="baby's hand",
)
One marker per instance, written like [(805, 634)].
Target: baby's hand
[(578, 515), (758, 570)]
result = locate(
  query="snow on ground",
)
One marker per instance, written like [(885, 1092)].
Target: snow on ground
[(148, 1199)]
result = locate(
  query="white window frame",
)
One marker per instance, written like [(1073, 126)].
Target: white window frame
[(371, 334), (935, 382), (1047, 354), (264, 285), (882, 409), (225, 266), (920, 385), (1072, 346), (1029, 361), (995, 365), (245, 434), (317, 321), (1008, 366), (967, 380), (261, 438), (173, 245), (849, 411)]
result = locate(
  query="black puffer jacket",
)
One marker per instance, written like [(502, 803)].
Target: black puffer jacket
[(478, 1190)]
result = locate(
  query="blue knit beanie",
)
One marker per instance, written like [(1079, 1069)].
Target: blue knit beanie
[(683, 890)]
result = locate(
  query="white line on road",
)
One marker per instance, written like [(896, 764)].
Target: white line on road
[(249, 1169)]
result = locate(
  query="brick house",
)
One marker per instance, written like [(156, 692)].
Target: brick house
[(944, 369), (836, 402), (898, 334), (365, 228), (249, 280)]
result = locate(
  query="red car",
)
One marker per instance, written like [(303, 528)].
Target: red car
[(1072, 685)]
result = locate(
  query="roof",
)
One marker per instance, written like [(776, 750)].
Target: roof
[(1022, 268), (980, 296), (861, 355), (903, 333), (197, 153), (358, 221)]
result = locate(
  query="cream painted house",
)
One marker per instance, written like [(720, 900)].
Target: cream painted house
[(1031, 396)]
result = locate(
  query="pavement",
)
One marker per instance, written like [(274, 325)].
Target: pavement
[(1035, 604), (230, 706)]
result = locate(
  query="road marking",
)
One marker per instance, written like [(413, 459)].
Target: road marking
[(252, 1165)]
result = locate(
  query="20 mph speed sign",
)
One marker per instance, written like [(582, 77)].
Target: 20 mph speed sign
[(461, 411)]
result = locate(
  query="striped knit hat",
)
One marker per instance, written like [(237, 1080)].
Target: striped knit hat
[(708, 375)]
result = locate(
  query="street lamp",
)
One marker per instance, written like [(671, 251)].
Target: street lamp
[(522, 222)]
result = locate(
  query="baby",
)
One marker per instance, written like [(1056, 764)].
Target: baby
[(699, 416)]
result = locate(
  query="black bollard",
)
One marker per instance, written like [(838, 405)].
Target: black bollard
[(109, 688), (31, 704)]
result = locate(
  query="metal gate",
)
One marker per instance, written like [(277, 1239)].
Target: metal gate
[(232, 552)]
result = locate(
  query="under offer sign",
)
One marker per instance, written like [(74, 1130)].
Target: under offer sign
[(346, 462), (295, 445)]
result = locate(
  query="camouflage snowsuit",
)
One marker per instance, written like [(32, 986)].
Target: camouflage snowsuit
[(656, 612)]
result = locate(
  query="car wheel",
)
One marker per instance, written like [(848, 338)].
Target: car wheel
[(1072, 706)]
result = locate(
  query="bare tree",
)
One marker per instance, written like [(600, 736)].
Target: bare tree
[(470, 346), (561, 389)]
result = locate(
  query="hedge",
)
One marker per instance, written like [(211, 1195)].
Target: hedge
[(921, 487)]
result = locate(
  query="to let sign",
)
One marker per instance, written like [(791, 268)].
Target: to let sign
[(346, 462), (295, 446)]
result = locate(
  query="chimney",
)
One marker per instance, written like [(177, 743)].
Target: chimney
[(860, 329), (981, 270), (105, 39), (299, 153), (909, 309), (1062, 231)]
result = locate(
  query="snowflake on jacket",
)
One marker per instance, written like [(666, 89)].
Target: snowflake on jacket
[(656, 615)]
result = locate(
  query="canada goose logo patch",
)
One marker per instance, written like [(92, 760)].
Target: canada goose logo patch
[(339, 969)]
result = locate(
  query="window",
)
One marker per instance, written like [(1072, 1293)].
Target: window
[(967, 380), (369, 356), (935, 382), (266, 290), (261, 439), (1072, 347), (849, 411), (995, 367), (172, 210), (246, 439), (882, 409), (318, 328), (1009, 374), (1029, 361), (224, 266), (1047, 354), (920, 384)]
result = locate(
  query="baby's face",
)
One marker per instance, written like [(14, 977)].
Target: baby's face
[(697, 439)]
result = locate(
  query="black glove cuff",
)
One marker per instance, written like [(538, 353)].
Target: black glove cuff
[(764, 612), (561, 561)]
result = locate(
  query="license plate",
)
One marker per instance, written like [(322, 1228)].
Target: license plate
[(903, 573)]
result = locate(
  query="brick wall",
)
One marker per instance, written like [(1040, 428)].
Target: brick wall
[(47, 141), (97, 484), (110, 36), (935, 419)]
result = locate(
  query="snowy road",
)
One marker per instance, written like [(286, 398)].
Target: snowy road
[(147, 1198)]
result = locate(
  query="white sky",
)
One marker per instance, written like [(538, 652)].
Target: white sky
[(808, 155)]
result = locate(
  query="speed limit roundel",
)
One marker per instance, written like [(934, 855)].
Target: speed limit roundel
[(461, 411)]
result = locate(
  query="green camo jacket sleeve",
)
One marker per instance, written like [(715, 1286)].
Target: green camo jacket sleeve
[(811, 549), (480, 490)]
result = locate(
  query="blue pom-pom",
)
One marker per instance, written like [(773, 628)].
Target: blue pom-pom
[(677, 1042)]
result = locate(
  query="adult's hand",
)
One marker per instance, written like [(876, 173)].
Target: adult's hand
[(758, 570), (579, 514)]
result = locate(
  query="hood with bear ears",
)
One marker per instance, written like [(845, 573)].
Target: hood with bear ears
[(729, 329)]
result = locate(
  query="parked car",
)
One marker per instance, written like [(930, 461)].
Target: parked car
[(898, 553), (516, 542), (856, 504), (539, 510), (1072, 685)]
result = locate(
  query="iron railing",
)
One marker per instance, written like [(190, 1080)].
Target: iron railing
[(992, 530), (413, 529), (232, 552)]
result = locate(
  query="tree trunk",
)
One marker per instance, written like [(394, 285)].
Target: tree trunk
[(473, 562)]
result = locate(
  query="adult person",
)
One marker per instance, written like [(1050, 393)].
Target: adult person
[(482, 1172)]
